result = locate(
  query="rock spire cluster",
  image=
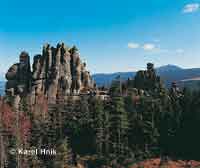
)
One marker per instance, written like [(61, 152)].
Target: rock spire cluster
[(57, 71)]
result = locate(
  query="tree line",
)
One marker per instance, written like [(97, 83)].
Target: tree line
[(132, 125)]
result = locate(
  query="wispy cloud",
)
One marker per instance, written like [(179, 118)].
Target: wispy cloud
[(154, 47), (149, 46), (146, 46), (190, 8), (179, 51), (133, 45)]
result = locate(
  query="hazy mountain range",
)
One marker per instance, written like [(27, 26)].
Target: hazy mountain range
[(168, 73)]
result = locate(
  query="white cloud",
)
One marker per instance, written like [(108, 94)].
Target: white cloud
[(149, 46), (189, 8), (179, 51), (133, 45)]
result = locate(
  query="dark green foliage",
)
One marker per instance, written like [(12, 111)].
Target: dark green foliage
[(73, 49), (99, 124), (116, 87), (134, 123), (118, 127), (138, 125)]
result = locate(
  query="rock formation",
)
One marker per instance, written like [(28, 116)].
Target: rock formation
[(175, 91), (19, 76), (57, 71), (148, 80)]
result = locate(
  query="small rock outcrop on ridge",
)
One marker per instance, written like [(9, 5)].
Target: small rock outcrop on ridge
[(57, 71), (148, 80), (19, 76)]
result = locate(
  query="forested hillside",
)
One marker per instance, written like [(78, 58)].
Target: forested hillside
[(134, 120)]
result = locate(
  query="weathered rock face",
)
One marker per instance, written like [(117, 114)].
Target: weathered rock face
[(57, 71), (148, 80)]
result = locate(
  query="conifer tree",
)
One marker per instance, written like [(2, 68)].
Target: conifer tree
[(99, 125), (118, 126)]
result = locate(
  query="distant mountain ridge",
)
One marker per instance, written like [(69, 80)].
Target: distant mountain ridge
[(106, 78), (169, 68), (168, 73)]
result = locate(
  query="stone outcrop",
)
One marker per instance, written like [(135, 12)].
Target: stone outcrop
[(57, 71), (147, 79), (19, 76), (175, 91)]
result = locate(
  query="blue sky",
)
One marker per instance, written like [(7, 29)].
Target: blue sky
[(112, 35)]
